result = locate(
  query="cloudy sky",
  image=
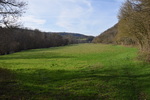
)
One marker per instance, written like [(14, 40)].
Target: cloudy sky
[(90, 17)]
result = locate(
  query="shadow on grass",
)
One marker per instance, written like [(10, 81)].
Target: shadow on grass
[(50, 55), (86, 84), (10, 89)]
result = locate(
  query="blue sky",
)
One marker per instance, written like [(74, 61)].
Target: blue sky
[(90, 17)]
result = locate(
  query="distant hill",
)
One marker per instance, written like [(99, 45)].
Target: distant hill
[(75, 37), (108, 36)]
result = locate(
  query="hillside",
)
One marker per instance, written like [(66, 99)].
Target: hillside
[(75, 37), (107, 36)]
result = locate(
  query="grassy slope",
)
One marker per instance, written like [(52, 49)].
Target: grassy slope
[(75, 72)]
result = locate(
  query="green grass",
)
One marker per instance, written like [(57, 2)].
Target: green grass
[(75, 72)]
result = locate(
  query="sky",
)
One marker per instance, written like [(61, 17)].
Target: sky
[(89, 17)]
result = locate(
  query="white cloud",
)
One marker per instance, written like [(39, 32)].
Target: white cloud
[(33, 19), (32, 22), (73, 17)]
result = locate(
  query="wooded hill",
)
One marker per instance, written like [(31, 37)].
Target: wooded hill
[(75, 37), (112, 36), (108, 36)]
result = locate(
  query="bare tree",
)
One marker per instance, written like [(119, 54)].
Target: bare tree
[(10, 11)]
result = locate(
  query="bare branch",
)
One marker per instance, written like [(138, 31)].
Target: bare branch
[(10, 10)]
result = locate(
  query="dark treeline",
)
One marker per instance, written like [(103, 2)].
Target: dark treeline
[(16, 39)]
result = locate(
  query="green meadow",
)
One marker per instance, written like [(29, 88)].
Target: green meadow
[(75, 72)]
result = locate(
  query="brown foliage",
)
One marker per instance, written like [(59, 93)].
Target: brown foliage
[(108, 36), (134, 19)]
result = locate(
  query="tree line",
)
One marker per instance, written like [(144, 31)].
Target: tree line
[(17, 39)]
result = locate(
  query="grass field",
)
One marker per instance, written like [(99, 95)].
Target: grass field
[(75, 72)]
